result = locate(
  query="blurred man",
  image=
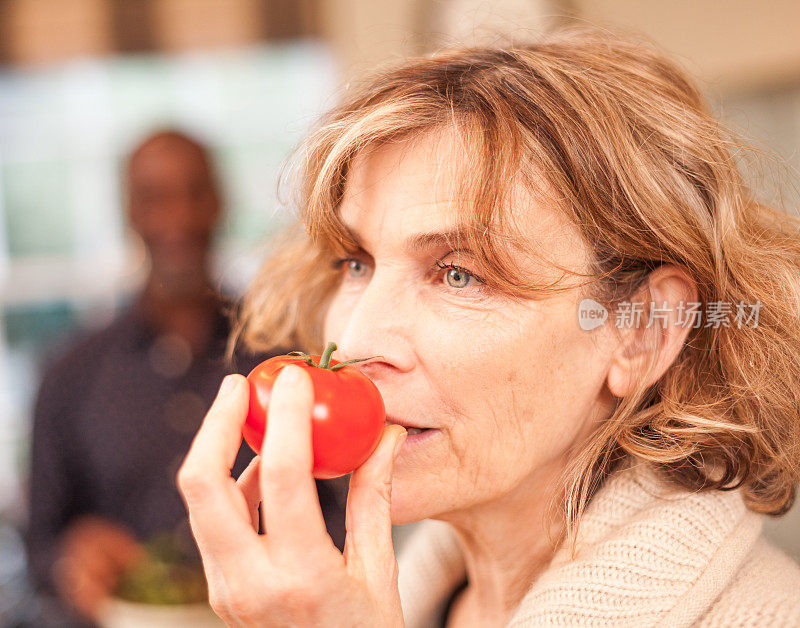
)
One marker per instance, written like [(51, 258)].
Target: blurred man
[(116, 415)]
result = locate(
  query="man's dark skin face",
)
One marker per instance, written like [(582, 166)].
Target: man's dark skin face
[(174, 206)]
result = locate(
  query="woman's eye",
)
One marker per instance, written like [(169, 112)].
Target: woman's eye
[(354, 266), (458, 277)]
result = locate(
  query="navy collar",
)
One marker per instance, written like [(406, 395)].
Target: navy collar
[(140, 333)]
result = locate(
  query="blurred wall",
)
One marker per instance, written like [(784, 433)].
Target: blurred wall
[(733, 46), (36, 32)]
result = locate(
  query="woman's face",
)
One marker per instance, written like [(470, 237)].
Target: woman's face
[(504, 388)]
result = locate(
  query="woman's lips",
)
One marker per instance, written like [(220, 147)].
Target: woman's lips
[(409, 425), (416, 434), (417, 438)]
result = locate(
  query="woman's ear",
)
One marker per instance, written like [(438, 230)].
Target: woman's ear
[(668, 287)]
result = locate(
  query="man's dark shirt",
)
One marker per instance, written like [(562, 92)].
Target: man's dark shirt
[(114, 419)]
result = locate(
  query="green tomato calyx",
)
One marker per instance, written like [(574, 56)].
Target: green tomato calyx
[(325, 358)]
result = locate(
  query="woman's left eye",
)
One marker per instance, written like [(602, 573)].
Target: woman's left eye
[(458, 277)]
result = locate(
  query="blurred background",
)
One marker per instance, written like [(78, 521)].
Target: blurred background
[(82, 81)]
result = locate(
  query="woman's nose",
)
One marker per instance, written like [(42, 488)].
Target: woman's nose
[(378, 325)]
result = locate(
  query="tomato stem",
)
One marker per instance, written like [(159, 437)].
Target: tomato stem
[(325, 359)]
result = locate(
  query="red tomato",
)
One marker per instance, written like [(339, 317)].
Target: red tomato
[(348, 416)]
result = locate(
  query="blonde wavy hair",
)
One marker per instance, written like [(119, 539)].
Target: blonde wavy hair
[(647, 175)]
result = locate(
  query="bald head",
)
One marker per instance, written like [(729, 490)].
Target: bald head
[(174, 204), (170, 140)]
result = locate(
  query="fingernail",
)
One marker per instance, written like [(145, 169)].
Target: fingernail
[(290, 374), (401, 439), (228, 384)]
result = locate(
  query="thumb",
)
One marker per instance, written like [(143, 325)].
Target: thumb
[(368, 542)]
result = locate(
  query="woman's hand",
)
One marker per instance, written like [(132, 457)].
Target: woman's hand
[(293, 574)]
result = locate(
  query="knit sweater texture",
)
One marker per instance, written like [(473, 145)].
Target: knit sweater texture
[(647, 555)]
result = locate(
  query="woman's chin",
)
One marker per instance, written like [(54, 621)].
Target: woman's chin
[(404, 518), (406, 506)]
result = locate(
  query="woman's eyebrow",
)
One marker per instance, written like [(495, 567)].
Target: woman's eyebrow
[(424, 241)]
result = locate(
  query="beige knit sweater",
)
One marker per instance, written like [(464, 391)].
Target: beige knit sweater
[(647, 556)]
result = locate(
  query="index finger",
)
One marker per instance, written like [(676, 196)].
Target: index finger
[(292, 515), (217, 510)]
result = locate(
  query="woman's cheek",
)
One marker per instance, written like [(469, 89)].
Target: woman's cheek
[(336, 318)]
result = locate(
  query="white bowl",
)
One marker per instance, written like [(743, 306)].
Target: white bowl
[(117, 613)]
